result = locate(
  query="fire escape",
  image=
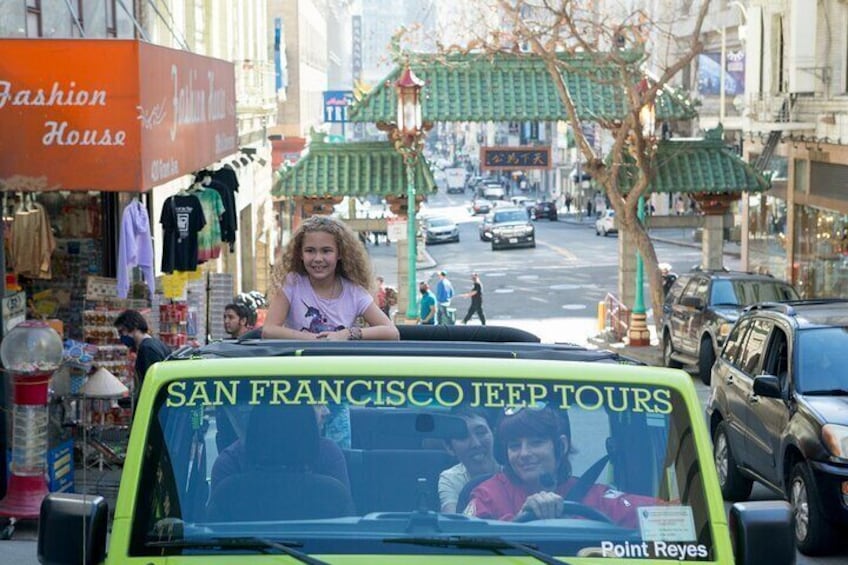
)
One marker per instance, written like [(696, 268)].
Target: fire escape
[(783, 116)]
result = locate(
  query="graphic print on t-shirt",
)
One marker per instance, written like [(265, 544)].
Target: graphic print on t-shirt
[(183, 215), (318, 321)]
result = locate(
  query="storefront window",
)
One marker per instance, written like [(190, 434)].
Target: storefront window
[(821, 253), (767, 234)]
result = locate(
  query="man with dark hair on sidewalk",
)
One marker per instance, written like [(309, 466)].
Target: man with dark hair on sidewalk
[(132, 329)]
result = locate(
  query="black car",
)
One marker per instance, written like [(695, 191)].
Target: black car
[(778, 413), (701, 307), (512, 228), (484, 228), (546, 210)]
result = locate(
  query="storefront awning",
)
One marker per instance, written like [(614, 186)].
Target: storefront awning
[(351, 169), (110, 115), (698, 165)]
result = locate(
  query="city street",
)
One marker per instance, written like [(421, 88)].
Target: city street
[(178, 178), (552, 291)]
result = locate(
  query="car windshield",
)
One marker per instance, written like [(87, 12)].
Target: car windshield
[(439, 222), (745, 292), (240, 458), (821, 360), (511, 216)]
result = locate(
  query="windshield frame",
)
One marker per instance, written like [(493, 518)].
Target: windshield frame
[(506, 370)]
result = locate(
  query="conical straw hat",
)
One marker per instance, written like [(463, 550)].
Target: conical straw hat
[(103, 384)]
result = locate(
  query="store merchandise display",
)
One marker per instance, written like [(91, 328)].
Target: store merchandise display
[(73, 263), (173, 324)]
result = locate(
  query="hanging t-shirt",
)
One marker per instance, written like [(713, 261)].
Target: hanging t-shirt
[(225, 181), (135, 248), (310, 312), (182, 217), (32, 243), (209, 238)]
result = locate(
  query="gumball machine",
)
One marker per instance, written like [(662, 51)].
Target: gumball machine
[(30, 352)]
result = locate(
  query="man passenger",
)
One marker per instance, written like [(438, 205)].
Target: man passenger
[(236, 320), (475, 454)]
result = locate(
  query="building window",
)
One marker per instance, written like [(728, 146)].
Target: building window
[(779, 53), (33, 18), (111, 18)]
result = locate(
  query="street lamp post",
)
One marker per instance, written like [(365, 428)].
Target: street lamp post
[(638, 333), (408, 137)]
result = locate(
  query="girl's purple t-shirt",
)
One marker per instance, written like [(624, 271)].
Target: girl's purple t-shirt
[(310, 312)]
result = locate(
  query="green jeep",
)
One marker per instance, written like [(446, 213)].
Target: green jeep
[(336, 452)]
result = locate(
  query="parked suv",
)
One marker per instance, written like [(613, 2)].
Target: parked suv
[(778, 414), (701, 307)]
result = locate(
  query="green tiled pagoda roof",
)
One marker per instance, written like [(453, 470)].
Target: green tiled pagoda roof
[(511, 87), (699, 165), (351, 169)]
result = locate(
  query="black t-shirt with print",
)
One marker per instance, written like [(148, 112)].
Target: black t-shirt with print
[(182, 217), (477, 298)]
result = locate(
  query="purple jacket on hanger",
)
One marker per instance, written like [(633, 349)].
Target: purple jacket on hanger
[(135, 248)]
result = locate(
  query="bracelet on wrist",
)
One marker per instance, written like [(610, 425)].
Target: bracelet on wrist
[(354, 333)]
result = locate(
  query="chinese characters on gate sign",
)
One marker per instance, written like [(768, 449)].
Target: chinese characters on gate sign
[(501, 158)]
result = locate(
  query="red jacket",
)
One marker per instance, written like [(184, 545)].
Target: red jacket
[(501, 499)]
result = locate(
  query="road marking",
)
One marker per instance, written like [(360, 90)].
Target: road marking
[(561, 251)]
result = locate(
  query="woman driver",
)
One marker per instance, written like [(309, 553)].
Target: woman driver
[(533, 446)]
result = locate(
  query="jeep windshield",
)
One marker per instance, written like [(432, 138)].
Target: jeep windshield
[(334, 455)]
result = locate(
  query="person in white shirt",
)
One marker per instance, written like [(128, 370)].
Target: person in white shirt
[(475, 454)]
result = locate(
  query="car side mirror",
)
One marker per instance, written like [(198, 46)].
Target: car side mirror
[(768, 386), (692, 302), (72, 526), (755, 531)]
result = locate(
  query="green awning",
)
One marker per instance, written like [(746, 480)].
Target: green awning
[(511, 87), (351, 169), (699, 165)]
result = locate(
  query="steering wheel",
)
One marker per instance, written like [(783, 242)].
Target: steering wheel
[(569, 508)]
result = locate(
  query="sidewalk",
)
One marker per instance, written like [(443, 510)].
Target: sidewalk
[(675, 236), (649, 354)]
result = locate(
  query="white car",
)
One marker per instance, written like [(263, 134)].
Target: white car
[(606, 223)]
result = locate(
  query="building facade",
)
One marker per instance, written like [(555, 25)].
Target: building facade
[(233, 31), (784, 105), (796, 109)]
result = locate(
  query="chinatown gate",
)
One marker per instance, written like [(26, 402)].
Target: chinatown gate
[(509, 87)]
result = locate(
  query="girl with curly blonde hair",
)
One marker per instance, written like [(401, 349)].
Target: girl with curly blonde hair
[(323, 285)]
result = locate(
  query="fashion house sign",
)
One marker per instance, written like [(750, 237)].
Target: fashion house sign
[(116, 115)]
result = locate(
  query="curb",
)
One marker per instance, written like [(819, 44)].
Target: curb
[(427, 263), (649, 354)]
